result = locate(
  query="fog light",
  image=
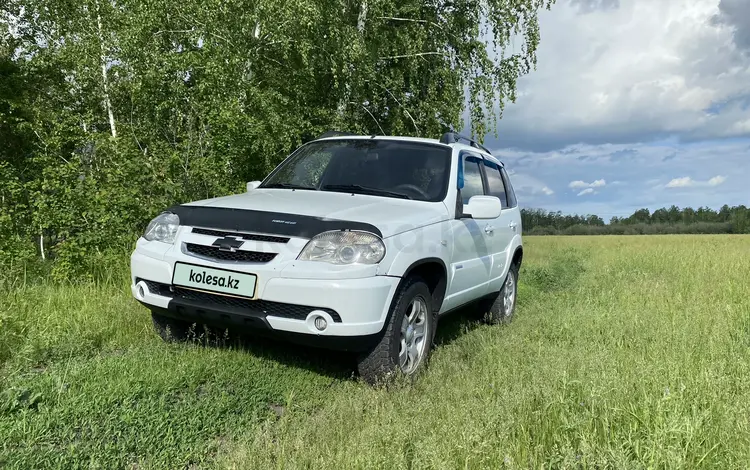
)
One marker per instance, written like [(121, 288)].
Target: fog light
[(320, 323), (140, 290)]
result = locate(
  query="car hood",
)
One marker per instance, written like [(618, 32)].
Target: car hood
[(391, 216)]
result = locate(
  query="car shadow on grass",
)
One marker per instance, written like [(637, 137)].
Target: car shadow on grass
[(456, 324), (338, 365)]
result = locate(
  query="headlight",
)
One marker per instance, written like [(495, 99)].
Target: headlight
[(344, 248), (163, 228)]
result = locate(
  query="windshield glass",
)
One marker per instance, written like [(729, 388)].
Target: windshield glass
[(388, 168)]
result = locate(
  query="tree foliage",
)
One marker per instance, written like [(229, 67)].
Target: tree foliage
[(114, 109), (641, 222)]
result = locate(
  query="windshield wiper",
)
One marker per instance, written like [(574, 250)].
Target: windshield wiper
[(356, 188), (289, 186)]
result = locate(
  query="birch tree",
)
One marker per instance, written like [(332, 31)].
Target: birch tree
[(137, 104)]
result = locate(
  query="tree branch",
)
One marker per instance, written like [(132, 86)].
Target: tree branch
[(410, 20), (382, 132), (162, 31), (418, 54), (404, 108)]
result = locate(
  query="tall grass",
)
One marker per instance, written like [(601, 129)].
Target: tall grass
[(85, 383), (626, 352)]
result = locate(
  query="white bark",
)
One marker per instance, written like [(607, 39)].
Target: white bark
[(361, 21), (105, 81), (362, 18), (407, 56), (41, 243)]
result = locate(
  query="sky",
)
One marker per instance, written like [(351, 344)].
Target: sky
[(633, 104)]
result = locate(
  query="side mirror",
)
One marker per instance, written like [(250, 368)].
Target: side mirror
[(252, 185), (483, 207)]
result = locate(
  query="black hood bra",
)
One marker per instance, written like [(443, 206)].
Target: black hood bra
[(272, 223)]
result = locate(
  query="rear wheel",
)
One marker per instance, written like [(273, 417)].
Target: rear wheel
[(501, 306), (406, 343)]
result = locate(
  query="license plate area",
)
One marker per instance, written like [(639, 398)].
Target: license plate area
[(215, 281)]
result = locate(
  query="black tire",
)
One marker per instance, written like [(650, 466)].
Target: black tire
[(381, 363), (494, 310), (171, 330)]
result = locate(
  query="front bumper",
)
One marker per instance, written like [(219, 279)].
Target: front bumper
[(353, 308)]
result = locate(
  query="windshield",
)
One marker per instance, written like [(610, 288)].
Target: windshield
[(388, 168)]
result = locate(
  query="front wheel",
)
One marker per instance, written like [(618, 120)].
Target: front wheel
[(501, 307), (407, 341)]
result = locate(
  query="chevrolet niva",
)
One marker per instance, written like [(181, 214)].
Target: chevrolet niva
[(354, 242)]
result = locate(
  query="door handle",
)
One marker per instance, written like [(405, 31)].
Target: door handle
[(513, 226), (489, 229)]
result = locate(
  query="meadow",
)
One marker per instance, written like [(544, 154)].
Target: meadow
[(625, 352)]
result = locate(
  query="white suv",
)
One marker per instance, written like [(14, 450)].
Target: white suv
[(358, 243)]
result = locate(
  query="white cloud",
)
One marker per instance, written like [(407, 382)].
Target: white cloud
[(688, 182), (530, 186), (633, 71), (683, 182), (582, 184), (586, 191)]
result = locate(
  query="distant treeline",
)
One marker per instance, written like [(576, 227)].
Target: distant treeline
[(642, 222)]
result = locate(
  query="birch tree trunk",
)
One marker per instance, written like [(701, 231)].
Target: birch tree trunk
[(362, 18), (344, 101), (105, 81)]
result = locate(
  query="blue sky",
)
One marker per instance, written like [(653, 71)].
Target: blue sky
[(634, 103)]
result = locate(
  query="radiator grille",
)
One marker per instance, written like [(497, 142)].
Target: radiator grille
[(214, 252), (245, 236)]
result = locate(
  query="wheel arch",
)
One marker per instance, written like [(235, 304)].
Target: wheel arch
[(434, 273), (517, 257)]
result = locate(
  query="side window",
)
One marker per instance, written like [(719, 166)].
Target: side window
[(512, 201), (472, 179), (495, 182)]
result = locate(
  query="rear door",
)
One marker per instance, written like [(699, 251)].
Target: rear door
[(513, 211), (504, 226)]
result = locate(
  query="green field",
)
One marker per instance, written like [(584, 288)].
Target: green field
[(625, 352)]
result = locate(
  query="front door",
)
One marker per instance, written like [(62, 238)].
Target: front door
[(472, 255)]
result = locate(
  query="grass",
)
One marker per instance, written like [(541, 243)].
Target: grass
[(85, 383), (626, 352)]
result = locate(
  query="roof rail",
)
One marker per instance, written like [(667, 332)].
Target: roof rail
[(334, 134), (451, 137)]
